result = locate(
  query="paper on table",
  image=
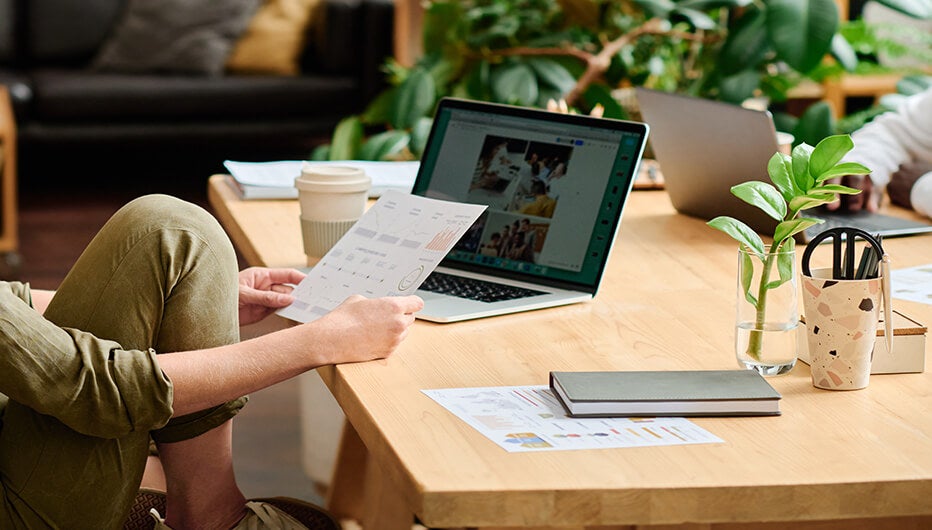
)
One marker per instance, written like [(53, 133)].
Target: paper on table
[(529, 418), (914, 284), (281, 174), (390, 251)]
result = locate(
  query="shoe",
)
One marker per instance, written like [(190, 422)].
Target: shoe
[(259, 516)]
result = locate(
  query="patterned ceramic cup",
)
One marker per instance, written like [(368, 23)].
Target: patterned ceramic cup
[(841, 322)]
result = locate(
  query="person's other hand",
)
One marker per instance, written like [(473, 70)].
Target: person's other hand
[(868, 199), (263, 290), (902, 181), (363, 329)]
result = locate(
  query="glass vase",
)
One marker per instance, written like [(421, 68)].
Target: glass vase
[(767, 315)]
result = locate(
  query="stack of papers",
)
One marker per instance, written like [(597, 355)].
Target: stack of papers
[(275, 180)]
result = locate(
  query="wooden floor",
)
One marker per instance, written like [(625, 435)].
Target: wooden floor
[(57, 220)]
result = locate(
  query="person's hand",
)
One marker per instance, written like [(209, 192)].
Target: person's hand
[(868, 199), (902, 181), (363, 329), (263, 290)]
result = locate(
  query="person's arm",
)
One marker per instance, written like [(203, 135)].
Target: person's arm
[(911, 187), (358, 330), (883, 145)]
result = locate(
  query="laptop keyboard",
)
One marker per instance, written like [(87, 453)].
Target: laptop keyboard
[(472, 289)]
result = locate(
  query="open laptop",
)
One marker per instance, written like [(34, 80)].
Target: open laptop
[(705, 147), (555, 186)]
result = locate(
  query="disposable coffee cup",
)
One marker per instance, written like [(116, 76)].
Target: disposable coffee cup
[(841, 328), (332, 199)]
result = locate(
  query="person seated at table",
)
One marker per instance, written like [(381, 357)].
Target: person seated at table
[(141, 342), (897, 146), (542, 205)]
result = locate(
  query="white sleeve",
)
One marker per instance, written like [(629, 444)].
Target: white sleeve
[(921, 195), (895, 137)]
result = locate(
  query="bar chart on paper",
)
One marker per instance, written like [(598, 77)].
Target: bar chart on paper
[(390, 251)]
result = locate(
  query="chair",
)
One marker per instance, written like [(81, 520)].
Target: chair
[(310, 515)]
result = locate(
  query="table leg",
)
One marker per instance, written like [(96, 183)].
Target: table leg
[(360, 490)]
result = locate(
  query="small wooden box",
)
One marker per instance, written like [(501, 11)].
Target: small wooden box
[(909, 346)]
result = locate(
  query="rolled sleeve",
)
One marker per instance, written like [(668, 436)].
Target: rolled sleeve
[(91, 385)]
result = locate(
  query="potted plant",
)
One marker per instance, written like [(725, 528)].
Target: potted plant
[(529, 52), (767, 312)]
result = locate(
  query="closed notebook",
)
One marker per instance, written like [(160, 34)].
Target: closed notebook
[(665, 393)]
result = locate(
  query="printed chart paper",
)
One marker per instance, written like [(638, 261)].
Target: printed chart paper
[(390, 251), (914, 284), (529, 418)]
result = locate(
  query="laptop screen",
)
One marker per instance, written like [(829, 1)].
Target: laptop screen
[(554, 184)]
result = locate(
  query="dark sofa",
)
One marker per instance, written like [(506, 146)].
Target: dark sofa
[(62, 106)]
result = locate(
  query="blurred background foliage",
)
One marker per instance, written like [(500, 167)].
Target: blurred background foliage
[(586, 52)]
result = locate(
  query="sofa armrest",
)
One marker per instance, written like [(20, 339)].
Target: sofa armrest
[(353, 37)]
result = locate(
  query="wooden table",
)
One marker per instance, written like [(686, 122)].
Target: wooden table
[(861, 459)]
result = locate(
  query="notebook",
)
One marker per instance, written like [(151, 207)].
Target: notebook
[(705, 147), (555, 186)]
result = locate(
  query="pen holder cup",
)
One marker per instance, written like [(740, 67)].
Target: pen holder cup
[(841, 328)]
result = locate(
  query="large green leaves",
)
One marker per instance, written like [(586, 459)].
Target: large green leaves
[(921, 9), (515, 83), (802, 30), (347, 138), (415, 98), (827, 153)]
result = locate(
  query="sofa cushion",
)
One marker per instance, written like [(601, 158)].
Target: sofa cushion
[(175, 36), (65, 31), (73, 96), (275, 38)]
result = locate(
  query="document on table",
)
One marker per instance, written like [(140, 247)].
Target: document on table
[(280, 175), (529, 418), (390, 251), (913, 284)]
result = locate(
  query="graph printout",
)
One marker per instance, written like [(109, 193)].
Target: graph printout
[(529, 418), (390, 251)]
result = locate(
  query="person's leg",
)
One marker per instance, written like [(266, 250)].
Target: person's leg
[(161, 274)]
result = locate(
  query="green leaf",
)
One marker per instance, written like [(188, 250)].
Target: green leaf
[(802, 30), (920, 9), (414, 100), (320, 153), (792, 227), (827, 153), (346, 139), (815, 124), (812, 200), (838, 189), (419, 136), (697, 18), (379, 109), (598, 94), (786, 264), (739, 87), (780, 169), (552, 73), (746, 44), (740, 232), (845, 168), (801, 176), (844, 53), (747, 276), (514, 83), (383, 145), (763, 196)]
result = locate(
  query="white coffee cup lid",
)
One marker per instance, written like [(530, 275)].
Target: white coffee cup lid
[(329, 178)]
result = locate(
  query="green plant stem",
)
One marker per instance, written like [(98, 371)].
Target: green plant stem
[(756, 336)]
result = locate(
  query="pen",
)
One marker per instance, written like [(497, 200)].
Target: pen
[(887, 303)]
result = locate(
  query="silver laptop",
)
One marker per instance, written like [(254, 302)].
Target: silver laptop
[(555, 186), (705, 147)]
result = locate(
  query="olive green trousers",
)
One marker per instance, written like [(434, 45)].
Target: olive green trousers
[(85, 393)]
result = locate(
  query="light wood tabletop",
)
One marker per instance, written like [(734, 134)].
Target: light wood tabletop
[(855, 459)]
